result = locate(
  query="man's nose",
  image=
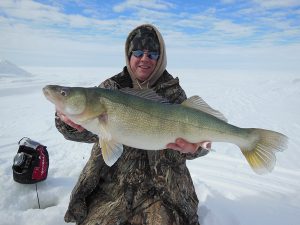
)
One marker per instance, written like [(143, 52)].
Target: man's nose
[(145, 56)]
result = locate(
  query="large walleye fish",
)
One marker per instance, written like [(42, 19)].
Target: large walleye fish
[(141, 119)]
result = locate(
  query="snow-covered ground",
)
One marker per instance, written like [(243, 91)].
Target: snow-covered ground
[(230, 193), (8, 69)]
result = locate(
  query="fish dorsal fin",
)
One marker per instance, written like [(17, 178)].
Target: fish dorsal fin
[(149, 94), (198, 103), (111, 151)]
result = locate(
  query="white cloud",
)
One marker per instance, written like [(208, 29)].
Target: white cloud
[(138, 4), (228, 1), (53, 48), (227, 27), (30, 10), (248, 58), (277, 3), (46, 33), (40, 14)]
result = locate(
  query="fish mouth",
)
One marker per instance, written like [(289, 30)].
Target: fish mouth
[(49, 92)]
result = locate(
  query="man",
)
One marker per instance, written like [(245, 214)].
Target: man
[(142, 187)]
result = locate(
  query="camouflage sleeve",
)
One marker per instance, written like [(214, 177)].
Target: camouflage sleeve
[(171, 90), (200, 152), (109, 84), (71, 133)]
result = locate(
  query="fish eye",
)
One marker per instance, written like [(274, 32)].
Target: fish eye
[(64, 92)]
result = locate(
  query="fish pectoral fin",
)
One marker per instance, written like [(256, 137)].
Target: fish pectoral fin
[(198, 103), (111, 151)]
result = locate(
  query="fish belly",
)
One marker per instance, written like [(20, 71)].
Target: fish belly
[(144, 130)]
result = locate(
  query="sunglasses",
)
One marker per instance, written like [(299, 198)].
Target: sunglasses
[(150, 55)]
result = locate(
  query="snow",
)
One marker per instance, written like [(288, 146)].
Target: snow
[(9, 69), (230, 193)]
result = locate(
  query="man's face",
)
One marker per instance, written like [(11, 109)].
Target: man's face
[(142, 66)]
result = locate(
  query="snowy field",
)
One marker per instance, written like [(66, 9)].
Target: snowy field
[(230, 193)]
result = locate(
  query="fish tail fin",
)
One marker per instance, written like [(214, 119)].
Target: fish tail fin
[(260, 153)]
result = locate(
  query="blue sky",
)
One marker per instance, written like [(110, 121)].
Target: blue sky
[(222, 34)]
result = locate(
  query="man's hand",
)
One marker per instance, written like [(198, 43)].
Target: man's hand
[(66, 120), (184, 146)]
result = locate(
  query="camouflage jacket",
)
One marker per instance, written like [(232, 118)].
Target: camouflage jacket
[(142, 187)]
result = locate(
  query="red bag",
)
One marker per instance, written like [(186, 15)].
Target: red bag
[(31, 162)]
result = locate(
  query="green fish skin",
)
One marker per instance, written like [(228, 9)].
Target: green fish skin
[(142, 120)]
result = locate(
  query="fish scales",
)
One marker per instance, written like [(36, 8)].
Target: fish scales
[(150, 121)]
